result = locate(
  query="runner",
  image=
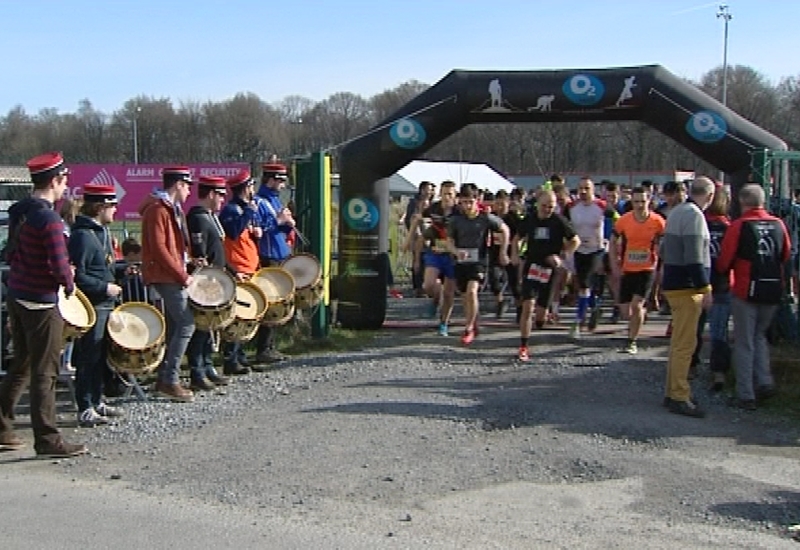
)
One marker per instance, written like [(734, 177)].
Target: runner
[(439, 274), (548, 235), (503, 277), (587, 216), (633, 254), (467, 237)]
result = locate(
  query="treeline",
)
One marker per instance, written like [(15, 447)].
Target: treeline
[(249, 129)]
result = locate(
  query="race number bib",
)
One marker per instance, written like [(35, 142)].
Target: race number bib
[(638, 257), (539, 274), (467, 255), (541, 234)]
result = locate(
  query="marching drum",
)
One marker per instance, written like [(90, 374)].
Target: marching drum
[(136, 338), (251, 306), (278, 286), (78, 313), (211, 296), (307, 274)]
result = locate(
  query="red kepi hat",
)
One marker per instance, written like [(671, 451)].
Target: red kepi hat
[(214, 183), (176, 173), (46, 166), (274, 170), (240, 178), (98, 193)]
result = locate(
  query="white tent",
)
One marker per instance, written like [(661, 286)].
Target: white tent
[(482, 175)]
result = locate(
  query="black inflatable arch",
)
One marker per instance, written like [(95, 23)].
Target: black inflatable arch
[(649, 93)]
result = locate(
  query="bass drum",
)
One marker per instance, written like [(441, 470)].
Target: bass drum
[(278, 286), (211, 296), (307, 273), (136, 333)]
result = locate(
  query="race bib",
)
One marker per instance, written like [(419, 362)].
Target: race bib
[(541, 234), (440, 246), (467, 255), (638, 257), (539, 274)]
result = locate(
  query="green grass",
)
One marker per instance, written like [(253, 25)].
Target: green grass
[(785, 359), (295, 339)]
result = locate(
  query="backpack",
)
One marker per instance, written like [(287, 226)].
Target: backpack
[(761, 244)]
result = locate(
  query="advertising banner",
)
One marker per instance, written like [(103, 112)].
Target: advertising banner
[(134, 182)]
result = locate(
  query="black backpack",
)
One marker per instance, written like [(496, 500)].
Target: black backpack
[(761, 244)]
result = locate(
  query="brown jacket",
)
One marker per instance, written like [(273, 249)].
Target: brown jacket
[(164, 248)]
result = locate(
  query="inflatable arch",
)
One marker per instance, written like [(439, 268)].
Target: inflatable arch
[(649, 93)]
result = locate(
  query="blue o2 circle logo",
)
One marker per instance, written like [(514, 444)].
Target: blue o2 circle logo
[(706, 127), (584, 89), (361, 214), (407, 133)]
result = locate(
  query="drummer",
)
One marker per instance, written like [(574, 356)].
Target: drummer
[(239, 221), (276, 223), (206, 236), (164, 258), (92, 254)]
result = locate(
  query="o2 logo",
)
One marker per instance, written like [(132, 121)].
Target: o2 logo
[(706, 127), (584, 89), (407, 133), (361, 214)]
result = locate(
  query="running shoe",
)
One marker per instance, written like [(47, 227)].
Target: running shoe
[(631, 348), (443, 329), (468, 337), (523, 355)]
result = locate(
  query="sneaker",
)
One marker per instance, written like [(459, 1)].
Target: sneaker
[(235, 370), (218, 380), (11, 442), (686, 408), (468, 337), (575, 332), (91, 418), (174, 392), (631, 348), (523, 354), (443, 329), (108, 411), (61, 449), (202, 384), (594, 318)]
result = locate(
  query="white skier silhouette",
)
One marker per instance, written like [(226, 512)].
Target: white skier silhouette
[(496, 91), (627, 91), (544, 103)]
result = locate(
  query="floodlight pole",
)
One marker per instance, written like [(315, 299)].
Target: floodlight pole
[(724, 14)]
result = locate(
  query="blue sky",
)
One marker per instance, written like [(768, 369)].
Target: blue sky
[(56, 53)]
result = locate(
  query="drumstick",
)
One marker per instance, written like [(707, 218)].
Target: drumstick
[(243, 303)]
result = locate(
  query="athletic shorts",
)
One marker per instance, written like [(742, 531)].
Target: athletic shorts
[(442, 262), (586, 265), (536, 287), (636, 283), (469, 272)]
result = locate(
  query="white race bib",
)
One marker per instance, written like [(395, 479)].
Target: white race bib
[(638, 257), (539, 274), (467, 255)]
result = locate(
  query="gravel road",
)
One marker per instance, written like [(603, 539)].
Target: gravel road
[(417, 442)]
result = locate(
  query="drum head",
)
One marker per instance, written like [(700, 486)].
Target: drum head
[(211, 286), (304, 268), (251, 303), (276, 282), (76, 310), (136, 326)]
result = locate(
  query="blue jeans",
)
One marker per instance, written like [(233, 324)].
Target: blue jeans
[(180, 327), (199, 354), (233, 353), (89, 359), (718, 317)]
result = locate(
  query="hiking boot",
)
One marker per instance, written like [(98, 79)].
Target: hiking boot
[(594, 318), (523, 354), (685, 408), (61, 449), (174, 392), (235, 370), (90, 418), (202, 384), (11, 442), (219, 380), (108, 411)]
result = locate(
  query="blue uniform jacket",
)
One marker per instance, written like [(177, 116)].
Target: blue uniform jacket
[(273, 242)]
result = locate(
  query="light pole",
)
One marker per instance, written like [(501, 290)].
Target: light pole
[(136, 134), (724, 14)]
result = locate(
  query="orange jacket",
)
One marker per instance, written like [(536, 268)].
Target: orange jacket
[(164, 247)]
